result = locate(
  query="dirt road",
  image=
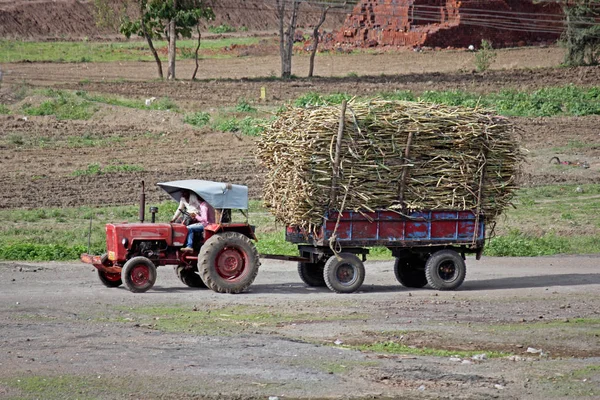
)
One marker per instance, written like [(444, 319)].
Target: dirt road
[(64, 335)]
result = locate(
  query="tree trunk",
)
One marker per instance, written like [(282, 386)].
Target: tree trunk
[(149, 39), (172, 42), (311, 65), (197, 49), (281, 16), (286, 71)]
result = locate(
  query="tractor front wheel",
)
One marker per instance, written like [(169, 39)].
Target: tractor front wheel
[(139, 274), (228, 262), (111, 280)]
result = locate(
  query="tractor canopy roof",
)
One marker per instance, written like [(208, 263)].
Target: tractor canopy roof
[(217, 194)]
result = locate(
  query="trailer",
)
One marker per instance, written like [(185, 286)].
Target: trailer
[(429, 247)]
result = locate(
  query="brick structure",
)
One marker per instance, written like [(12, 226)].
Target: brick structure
[(450, 23)]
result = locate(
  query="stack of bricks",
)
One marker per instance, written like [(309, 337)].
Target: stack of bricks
[(448, 23)]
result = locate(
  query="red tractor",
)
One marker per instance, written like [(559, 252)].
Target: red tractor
[(224, 257)]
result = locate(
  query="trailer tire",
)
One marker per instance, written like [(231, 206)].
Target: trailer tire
[(228, 262), (344, 275), (139, 274), (111, 280), (410, 271), (445, 270), (312, 273), (190, 276)]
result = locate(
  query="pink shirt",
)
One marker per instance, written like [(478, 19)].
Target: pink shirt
[(206, 214)]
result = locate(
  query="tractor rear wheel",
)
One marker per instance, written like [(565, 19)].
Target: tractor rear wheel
[(410, 271), (228, 262), (139, 274), (110, 280), (189, 276), (344, 275), (312, 273), (445, 270)]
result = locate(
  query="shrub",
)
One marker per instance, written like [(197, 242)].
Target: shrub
[(198, 119), (485, 56), (223, 28)]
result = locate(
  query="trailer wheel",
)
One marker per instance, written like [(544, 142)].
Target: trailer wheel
[(312, 273), (445, 270), (228, 262), (110, 280), (189, 276), (410, 271), (345, 275), (139, 274)]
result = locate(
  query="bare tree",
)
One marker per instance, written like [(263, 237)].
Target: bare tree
[(197, 50), (286, 36), (324, 10), (172, 41)]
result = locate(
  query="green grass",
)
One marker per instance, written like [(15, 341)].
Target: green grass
[(567, 100), (4, 109), (202, 320), (63, 105), (248, 126), (198, 119), (69, 387), (96, 169), (85, 51), (163, 103), (398, 348), (223, 28)]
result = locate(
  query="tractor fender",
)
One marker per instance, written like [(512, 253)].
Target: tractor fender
[(244, 229)]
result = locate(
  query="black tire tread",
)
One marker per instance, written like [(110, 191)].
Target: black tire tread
[(332, 264), (206, 260), (434, 280), (125, 274)]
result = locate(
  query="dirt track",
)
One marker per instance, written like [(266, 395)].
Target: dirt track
[(505, 304)]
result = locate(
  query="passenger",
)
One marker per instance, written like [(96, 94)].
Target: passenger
[(205, 216), (188, 204)]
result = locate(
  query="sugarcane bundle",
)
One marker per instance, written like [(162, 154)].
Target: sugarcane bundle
[(392, 155)]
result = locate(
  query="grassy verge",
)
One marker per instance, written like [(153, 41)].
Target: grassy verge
[(228, 320), (86, 51), (565, 100), (556, 213), (399, 348)]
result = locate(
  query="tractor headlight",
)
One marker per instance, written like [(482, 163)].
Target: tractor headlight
[(125, 242)]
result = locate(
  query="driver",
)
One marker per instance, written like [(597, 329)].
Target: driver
[(204, 216), (188, 204)]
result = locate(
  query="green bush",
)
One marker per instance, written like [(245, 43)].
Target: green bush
[(198, 119), (223, 28), (244, 106), (248, 126), (63, 105), (485, 56)]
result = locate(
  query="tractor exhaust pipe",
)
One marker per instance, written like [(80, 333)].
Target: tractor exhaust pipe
[(143, 204)]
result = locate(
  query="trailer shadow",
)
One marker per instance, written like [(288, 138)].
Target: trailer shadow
[(535, 281)]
